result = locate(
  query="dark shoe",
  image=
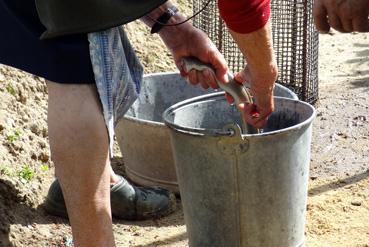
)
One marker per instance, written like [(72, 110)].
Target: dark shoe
[(127, 201)]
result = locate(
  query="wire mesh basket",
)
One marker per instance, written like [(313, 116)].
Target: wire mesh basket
[(295, 42)]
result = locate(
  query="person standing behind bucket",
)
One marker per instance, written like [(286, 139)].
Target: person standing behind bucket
[(78, 69), (249, 24), (76, 74)]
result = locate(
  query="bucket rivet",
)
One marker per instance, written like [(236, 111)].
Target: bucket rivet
[(243, 147)]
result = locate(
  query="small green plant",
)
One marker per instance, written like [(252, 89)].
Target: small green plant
[(10, 89), (44, 168), (4, 170), (26, 173), (12, 137)]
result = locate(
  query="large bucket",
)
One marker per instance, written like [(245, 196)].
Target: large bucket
[(241, 190), (144, 139)]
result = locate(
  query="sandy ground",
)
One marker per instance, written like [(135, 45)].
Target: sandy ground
[(338, 206)]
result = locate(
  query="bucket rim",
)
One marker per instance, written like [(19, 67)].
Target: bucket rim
[(143, 121), (146, 121), (136, 119), (222, 132), (157, 123)]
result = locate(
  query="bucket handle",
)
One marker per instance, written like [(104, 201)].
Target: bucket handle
[(229, 130), (235, 144), (202, 132), (238, 91)]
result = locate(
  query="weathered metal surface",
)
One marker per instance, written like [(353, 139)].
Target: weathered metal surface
[(241, 190), (144, 139)]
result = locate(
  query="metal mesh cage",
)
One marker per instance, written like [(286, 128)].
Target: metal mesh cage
[(295, 42)]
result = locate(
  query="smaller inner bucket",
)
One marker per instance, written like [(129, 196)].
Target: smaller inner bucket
[(209, 114)]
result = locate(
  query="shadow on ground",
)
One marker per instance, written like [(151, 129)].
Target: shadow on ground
[(361, 52), (17, 209), (360, 60), (361, 82), (338, 183), (20, 214), (358, 74)]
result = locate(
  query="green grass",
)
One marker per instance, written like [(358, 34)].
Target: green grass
[(12, 137), (4, 170), (44, 168), (26, 173), (11, 90)]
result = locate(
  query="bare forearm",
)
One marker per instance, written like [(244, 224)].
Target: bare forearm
[(257, 47)]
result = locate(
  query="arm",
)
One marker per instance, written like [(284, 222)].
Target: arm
[(249, 25), (261, 71), (185, 40)]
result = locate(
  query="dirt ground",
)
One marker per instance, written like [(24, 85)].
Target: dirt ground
[(338, 206)]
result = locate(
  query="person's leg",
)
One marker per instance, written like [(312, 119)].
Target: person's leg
[(80, 151), (114, 178)]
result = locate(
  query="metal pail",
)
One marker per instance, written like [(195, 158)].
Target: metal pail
[(144, 139), (241, 190)]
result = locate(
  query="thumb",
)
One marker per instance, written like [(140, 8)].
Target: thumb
[(180, 65), (220, 66), (242, 76)]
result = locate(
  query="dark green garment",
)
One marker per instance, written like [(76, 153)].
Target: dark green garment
[(64, 17)]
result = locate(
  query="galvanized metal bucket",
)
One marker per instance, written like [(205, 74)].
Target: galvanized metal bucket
[(241, 190), (144, 139)]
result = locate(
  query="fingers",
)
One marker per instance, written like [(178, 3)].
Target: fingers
[(202, 79), (361, 24), (354, 16), (320, 17), (229, 98), (242, 76), (257, 113), (192, 77), (253, 116), (335, 22), (344, 16), (239, 77), (205, 78), (220, 65), (347, 25), (211, 79)]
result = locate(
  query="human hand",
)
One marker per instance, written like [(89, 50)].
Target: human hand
[(342, 15), (188, 41), (261, 72), (257, 113)]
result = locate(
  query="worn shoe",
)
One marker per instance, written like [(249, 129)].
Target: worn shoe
[(127, 201)]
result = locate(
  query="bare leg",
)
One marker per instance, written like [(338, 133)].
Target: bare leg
[(79, 149), (113, 177)]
